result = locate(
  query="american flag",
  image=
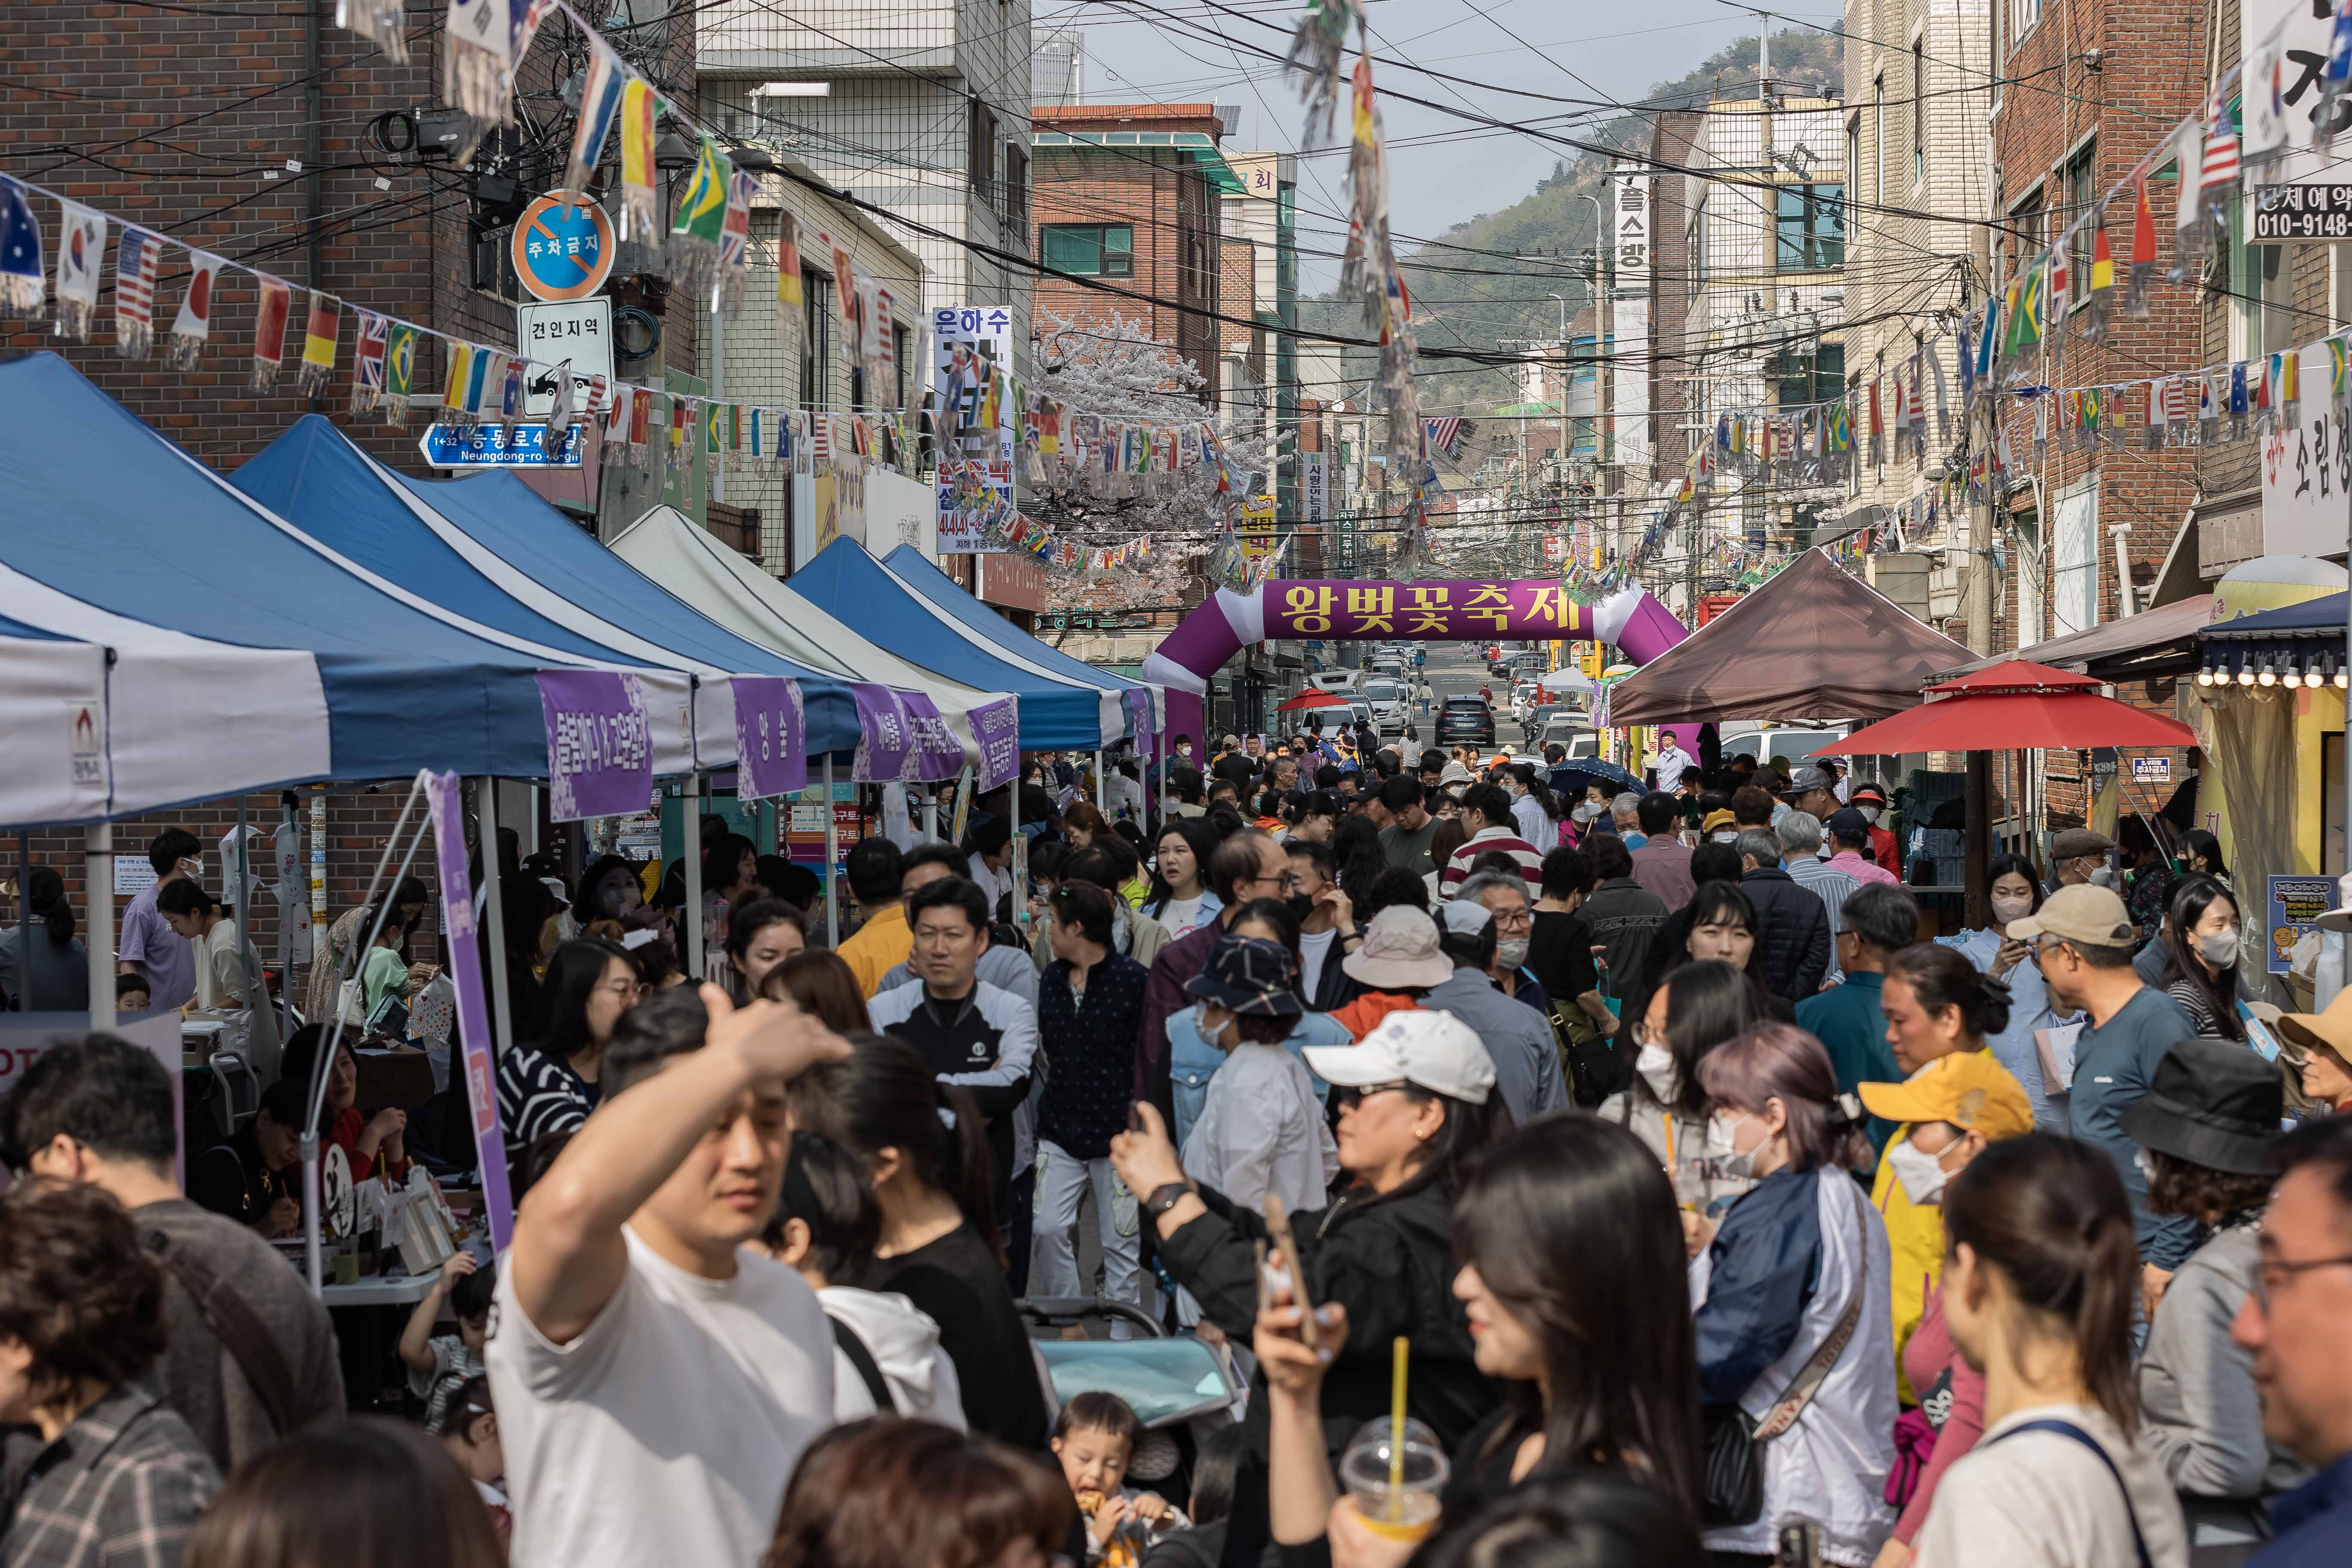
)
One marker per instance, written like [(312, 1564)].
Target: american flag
[(1444, 436), (134, 292), (2176, 401), (2221, 168)]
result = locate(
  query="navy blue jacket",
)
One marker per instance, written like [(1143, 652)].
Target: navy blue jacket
[(1763, 1268), (2314, 1522)]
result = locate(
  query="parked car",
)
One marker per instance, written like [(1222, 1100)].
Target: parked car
[(1339, 680), (1389, 699), (1570, 730), (1465, 722), (1792, 746), (1541, 717)]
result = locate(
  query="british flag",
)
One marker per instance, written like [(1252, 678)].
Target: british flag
[(1445, 436), (134, 293)]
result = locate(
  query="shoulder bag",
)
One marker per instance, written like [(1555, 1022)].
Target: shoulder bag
[(1734, 1461), (2067, 1429), (239, 1330), (868, 1372)]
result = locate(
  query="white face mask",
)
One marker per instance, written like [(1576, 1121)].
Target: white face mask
[(1920, 1172), (1869, 814), (1730, 836), (1511, 951), (1656, 1066), (1728, 1160), (2103, 877), (2011, 908)]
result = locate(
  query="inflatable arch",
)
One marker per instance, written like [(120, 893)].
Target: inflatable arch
[(1354, 610)]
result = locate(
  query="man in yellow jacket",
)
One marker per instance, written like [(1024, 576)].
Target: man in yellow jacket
[(884, 942)]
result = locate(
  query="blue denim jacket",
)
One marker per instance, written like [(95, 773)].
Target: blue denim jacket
[(1192, 1061)]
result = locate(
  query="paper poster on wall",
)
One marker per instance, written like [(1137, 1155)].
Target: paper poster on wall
[(2295, 905), (971, 345)]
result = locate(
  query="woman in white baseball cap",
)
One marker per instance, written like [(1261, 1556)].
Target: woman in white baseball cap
[(1417, 1111)]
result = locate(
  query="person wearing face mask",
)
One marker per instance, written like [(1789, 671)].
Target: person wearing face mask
[(1880, 921), (1532, 807), (2015, 893), (1792, 1298), (1949, 1109), (1327, 926), (1528, 1076), (1870, 800), (2200, 971), (1261, 1131), (1700, 1007), (2080, 857), (1936, 1005)]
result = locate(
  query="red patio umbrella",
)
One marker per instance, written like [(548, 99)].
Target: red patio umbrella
[(2011, 706), (1311, 698)]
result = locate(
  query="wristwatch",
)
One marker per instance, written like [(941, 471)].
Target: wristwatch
[(1166, 1197)]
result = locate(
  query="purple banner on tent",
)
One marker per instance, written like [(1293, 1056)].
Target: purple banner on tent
[(600, 760), (933, 751), (1138, 702), (473, 1011), (882, 740), (997, 727), (771, 738)]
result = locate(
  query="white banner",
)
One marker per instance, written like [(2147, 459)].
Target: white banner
[(2284, 43), (1314, 503), (2307, 472)]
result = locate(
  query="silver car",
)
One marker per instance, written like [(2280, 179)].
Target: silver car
[(1389, 700)]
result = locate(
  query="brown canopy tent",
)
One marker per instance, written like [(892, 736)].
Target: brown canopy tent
[(1813, 644)]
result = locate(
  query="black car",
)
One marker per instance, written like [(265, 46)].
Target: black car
[(1466, 720)]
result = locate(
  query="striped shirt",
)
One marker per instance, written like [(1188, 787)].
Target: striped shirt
[(537, 1094), (120, 1488), (1488, 841)]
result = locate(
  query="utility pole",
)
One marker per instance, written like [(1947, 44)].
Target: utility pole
[(1977, 787)]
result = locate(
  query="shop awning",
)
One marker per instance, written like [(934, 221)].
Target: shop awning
[(2162, 641), (2305, 640), (499, 555), (722, 584), (1057, 712), (117, 524), (1814, 643)]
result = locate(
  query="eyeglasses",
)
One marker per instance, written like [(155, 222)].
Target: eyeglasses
[(1513, 920), (2270, 1274), (1646, 1035), (1349, 1096), (620, 987)]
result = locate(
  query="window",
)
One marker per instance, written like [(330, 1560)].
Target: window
[(981, 134), (817, 339), (2082, 195), (2024, 16), (1809, 374), (899, 349), (1918, 111), (1016, 189), (1810, 225), (2025, 225), (2074, 566), (1089, 249), (1878, 140)]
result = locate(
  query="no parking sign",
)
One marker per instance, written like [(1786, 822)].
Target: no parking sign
[(562, 247)]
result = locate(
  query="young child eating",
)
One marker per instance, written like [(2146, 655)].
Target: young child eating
[(1095, 1437)]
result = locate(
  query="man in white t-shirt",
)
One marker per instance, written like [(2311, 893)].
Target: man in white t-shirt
[(655, 1386), (1670, 761)]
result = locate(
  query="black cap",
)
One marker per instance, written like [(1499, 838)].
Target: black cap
[(1847, 823), (2213, 1103)]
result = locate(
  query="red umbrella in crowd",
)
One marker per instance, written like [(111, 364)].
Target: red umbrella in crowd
[(2011, 706), (1311, 698)]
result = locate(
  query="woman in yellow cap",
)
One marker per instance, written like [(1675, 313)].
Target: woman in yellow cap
[(1950, 1107)]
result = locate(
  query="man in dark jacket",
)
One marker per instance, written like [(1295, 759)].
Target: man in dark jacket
[(1621, 913), (1792, 926)]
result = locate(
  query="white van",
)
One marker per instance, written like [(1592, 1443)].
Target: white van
[(1340, 681), (1389, 698), (1792, 746)]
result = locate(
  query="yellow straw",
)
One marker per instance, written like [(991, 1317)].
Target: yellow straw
[(1396, 1432)]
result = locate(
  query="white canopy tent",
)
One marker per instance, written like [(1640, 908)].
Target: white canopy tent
[(665, 545)]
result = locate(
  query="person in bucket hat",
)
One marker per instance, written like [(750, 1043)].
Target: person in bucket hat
[(1261, 1129), (2208, 1130), (1398, 961)]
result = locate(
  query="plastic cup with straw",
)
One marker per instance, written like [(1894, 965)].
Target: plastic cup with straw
[(1395, 1480)]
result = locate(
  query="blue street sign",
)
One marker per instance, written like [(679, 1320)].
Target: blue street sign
[(494, 446)]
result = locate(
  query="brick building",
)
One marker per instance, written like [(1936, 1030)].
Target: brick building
[(1129, 193), (2086, 89)]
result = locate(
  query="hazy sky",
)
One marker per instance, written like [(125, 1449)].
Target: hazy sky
[(1443, 169)]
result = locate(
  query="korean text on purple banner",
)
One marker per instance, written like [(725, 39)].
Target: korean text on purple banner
[(1440, 611), (473, 1013), (770, 737), (599, 746)]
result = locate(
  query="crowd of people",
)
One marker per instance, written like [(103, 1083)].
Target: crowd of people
[(1713, 1213)]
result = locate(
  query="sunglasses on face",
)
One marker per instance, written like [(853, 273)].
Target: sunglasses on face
[(1350, 1098)]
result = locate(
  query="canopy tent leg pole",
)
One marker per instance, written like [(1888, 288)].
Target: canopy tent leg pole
[(1020, 847), (1102, 785), (24, 921), (690, 851), (257, 990), (930, 813), (832, 861), (485, 811), (97, 876)]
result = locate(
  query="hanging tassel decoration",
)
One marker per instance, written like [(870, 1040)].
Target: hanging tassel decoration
[(270, 317), (2140, 279), (2192, 237), (368, 342), (399, 374), (735, 245), (319, 343), (134, 293), (194, 324), (478, 66), (701, 221), (23, 279), (378, 22), (640, 205), (81, 248), (601, 92), (2103, 284)]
